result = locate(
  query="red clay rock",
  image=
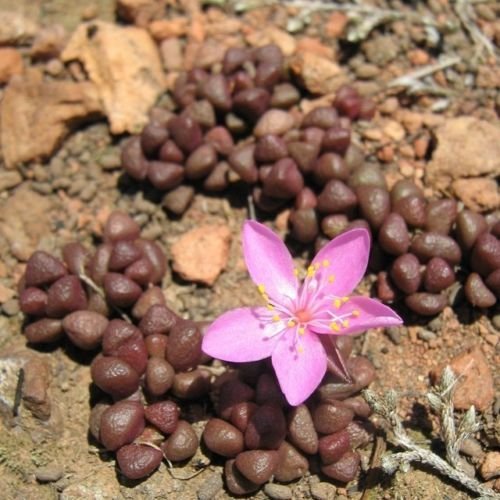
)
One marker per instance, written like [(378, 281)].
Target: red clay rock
[(11, 63), (490, 467), (475, 386), (201, 254)]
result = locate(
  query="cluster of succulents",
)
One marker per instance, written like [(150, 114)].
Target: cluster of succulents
[(423, 247), (145, 372), (259, 435), (149, 366), (243, 124), (77, 294)]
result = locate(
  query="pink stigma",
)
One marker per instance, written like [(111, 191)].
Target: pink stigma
[(303, 316)]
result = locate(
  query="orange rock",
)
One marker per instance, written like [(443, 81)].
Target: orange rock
[(167, 28), (335, 25), (475, 385), (49, 42), (421, 145), (42, 111), (225, 26), (191, 50), (314, 45), (318, 74), (307, 105), (490, 467), (406, 150), (196, 29), (211, 52), (418, 57), (466, 147), (394, 130), (11, 63), (37, 378), (201, 254), (6, 293), (282, 39), (124, 63), (411, 120), (406, 168), (281, 220), (386, 154), (171, 54), (479, 193), (19, 26), (140, 12)]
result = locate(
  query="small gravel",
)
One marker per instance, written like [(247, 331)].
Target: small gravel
[(9, 180), (496, 321), (395, 334), (323, 491), (426, 335), (210, 487), (277, 491), (10, 307), (49, 473), (110, 160)]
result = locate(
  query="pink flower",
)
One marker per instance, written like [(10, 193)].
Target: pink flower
[(292, 327)]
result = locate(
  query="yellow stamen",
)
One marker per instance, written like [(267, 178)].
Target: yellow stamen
[(331, 278), (265, 297), (300, 349), (345, 323), (345, 299), (334, 327), (261, 289), (302, 330), (355, 313), (276, 318), (326, 263), (310, 271), (291, 323), (296, 272), (270, 307), (337, 303)]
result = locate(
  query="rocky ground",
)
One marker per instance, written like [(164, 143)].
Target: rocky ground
[(74, 82)]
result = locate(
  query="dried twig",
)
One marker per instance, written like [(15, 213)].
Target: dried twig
[(88, 281), (411, 81), (185, 477), (441, 401), (19, 392), (251, 208), (464, 12)]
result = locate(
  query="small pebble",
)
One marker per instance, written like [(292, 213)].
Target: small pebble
[(472, 448), (10, 307), (323, 491), (49, 473), (277, 491), (426, 335), (435, 324), (394, 333), (110, 160), (210, 487), (496, 321), (496, 406)]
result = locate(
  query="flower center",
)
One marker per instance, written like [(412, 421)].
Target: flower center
[(303, 316)]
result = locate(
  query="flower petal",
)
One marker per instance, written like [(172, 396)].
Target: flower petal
[(268, 261), (299, 373), (342, 262), (355, 316), (239, 335)]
